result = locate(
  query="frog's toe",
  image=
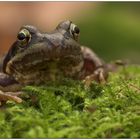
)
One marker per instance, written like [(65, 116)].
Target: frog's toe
[(5, 96), (88, 79), (100, 75)]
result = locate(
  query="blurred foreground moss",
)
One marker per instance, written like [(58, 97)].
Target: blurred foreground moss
[(68, 110)]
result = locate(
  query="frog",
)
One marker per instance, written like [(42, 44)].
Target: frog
[(37, 57)]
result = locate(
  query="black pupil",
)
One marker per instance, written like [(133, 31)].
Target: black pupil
[(21, 36), (77, 30)]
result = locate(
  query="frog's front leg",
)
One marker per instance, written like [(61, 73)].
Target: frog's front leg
[(94, 68), (9, 89)]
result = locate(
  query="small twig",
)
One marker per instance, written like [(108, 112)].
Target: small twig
[(134, 87)]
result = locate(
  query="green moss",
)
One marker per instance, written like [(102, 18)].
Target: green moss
[(68, 110)]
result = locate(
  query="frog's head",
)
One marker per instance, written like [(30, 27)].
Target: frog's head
[(33, 51)]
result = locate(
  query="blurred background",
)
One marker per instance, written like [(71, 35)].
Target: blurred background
[(111, 29)]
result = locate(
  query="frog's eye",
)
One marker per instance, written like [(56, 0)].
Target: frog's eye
[(74, 30), (21, 36), (24, 36)]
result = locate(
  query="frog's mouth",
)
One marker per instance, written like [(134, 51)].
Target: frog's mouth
[(37, 58)]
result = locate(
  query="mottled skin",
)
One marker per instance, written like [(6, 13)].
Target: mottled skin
[(36, 57)]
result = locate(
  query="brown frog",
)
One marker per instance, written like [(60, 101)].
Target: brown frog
[(35, 58)]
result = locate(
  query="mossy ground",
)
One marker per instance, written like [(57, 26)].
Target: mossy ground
[(68, 110)]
